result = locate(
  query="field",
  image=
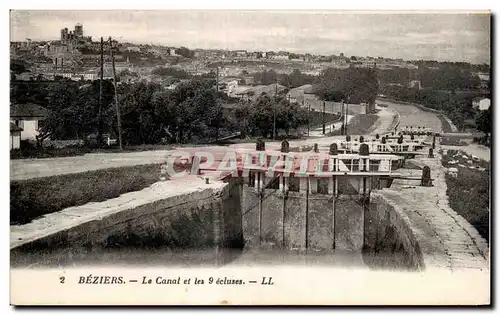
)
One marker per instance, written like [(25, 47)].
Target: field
[(446, 125)]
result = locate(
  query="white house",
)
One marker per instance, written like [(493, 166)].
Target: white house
[(415, 84), (481, 103), (28, 117), (133, 48), (15, 136)]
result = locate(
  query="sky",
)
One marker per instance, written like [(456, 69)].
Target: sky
[(449, 36)]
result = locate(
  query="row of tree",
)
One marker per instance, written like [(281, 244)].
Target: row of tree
[(258, 118), (292, 80), (169, 71), (354, 85), (192, 112), (446, 76)]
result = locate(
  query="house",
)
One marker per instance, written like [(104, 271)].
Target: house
[(25, 76), (297, 95), (481, 103), (15, 136), (415, 84), (28, 117)]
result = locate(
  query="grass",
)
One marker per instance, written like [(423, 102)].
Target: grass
[(452, 141), (33, 198), (316, 119), (361, 124), (469, 192), (445, 124), (358, 125)]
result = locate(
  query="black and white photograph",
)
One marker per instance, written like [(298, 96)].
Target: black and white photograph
[(250, 157)]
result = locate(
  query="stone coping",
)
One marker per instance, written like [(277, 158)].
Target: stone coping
[(445, 238), (177, 190)]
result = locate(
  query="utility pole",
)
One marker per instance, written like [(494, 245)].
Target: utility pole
[(99, 114), (274, 107), (217, 99), (342, 113), (346, 113), (333, 109), (324, 117), (217, 79), (118, 119), (308, 114)]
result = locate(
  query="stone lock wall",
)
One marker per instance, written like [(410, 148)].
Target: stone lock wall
[(201, 218), (387, 232)]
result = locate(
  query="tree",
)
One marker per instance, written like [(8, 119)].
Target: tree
[(290, 116), (173, 72), (17, 66), (71, 112), (127, 72), (243, 116), (184, 52), (262, 115), (353, 84), (295, 79), (484, 121), (138, 114), (265, 77)]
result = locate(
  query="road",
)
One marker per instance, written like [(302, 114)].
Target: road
[(413, 116)]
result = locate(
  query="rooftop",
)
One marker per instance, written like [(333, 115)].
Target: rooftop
[(13, 127)]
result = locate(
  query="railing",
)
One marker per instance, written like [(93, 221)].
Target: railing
[(376, 147)]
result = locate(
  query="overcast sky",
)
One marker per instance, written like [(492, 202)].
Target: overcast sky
[(454, 37)]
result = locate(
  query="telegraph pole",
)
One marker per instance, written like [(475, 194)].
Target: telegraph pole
[(118, 119), (333, 109), (308, 116), (342, 131), (217, 79), (324, 117), (99, 114), (274, 107), (346, 113)]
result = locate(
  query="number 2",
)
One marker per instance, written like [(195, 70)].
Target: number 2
[(62, 279)]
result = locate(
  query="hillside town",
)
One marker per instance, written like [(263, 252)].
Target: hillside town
[(76, 56)]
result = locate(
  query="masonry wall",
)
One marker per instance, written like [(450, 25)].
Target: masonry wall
[(387, 234), (295, 220), (349, 223), (202, 218), (272, 219), (320, 232)]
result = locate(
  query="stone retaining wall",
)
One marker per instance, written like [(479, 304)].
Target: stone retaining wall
[(388, 230), (164, 215)]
